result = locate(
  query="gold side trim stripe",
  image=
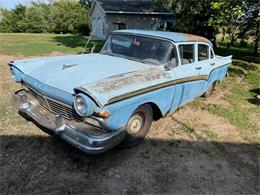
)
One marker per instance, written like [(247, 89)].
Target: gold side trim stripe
[(155, 87)]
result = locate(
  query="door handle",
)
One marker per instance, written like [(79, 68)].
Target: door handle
[(198, 68), (213, 64)]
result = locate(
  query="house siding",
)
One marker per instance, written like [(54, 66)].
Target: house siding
[(132, 21), (98, 22), (104, 23)]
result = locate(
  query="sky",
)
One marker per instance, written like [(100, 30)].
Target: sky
[(9, 4)]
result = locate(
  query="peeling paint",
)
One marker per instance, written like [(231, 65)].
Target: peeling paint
[(196, 38), (122, 80)]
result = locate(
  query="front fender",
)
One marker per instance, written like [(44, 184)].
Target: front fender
[(121, 111)]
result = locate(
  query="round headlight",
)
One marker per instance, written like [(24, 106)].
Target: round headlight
[(81, 105), (84, 106)]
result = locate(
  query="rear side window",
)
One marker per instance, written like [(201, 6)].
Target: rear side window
[(203, 52), (187, 54)]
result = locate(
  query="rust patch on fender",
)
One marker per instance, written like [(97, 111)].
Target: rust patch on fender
[(122, 80)]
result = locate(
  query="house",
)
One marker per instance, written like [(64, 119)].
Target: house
[(109, 15)]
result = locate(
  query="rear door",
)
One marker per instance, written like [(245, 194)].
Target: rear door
[(206, 61), (190, 82)]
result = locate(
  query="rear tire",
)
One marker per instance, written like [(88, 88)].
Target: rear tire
[(138, 126), (210, 91)]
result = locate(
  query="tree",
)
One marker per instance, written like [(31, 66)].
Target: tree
[(5, 20), (39, 18), (249, 23), (191, 18), (70, 17), (257, 36), (59, 16), (227, 16), (86, 3)]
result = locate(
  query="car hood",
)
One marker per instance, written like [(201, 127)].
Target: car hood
[(102, 76)]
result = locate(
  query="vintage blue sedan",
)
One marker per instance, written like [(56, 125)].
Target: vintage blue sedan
[(98, 101)]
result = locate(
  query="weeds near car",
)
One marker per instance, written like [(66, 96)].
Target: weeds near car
[(241, 110)]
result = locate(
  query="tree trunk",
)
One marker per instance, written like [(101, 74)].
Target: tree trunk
[(256, 38), (228, 45), (229, 36), (232, 40), (223, 35)]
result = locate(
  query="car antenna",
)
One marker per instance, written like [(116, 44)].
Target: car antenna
[(90, 37)]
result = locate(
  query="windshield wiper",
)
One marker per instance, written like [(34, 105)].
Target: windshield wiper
[(133, 59), (146, 61), (123, 56), (108, 53)]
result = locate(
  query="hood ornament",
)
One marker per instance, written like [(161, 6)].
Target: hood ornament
[(65, 66)]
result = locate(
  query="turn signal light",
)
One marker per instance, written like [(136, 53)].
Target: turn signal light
[(103, 114)]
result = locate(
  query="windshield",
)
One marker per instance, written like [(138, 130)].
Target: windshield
[(146, 50)]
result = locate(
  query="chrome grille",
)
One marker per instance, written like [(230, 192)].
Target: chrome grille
[(54, 106), (64, 111), (40, 98)]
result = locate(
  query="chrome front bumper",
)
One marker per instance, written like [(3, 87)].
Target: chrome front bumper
[(72, 132)]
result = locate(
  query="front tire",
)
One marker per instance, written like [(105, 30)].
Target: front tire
[(138, 126)]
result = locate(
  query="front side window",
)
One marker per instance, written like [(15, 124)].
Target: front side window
[(203, 52), (144, 49), (187, 54)]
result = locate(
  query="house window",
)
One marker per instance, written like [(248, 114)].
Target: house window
[(203, 52), (120, 26), (186, 54)]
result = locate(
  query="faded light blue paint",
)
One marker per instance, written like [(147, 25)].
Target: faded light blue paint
[(106, 77), (174, 36)]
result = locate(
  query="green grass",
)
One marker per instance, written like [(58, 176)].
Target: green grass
[(29, 44), (196, 102), (186, 128), (241, 97), (203, 133), (238, 52), (238, 117), (254, 79)]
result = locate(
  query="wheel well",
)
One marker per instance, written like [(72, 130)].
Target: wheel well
[(215, 82), (157, 114)]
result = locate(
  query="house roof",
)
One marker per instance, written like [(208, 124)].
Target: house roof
[(129, 7), (173, 36)]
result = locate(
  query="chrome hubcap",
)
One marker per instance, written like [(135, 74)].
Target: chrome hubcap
[(135, 124)]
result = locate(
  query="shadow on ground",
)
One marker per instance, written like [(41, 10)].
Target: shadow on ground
[(43, 164), (255, 100)]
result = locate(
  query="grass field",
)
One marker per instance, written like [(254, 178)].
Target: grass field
[(28, 44), (239, 52), (210, 146)]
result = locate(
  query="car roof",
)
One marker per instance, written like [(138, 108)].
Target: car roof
[(173, 36)]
